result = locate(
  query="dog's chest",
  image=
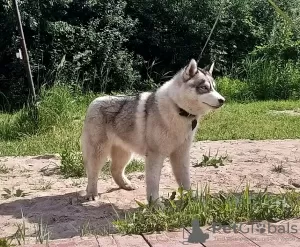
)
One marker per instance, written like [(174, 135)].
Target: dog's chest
[(168, 138)]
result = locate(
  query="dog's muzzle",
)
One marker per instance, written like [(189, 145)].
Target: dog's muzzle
[(221, 102)]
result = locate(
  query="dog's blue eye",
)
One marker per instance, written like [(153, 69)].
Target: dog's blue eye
[(202, 88)]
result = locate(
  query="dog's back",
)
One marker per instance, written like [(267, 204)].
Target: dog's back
[(119, 120)]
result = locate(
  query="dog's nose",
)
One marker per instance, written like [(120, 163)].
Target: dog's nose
[(221, 101)]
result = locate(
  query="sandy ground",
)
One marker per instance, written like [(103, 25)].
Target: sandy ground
[(57, 201)]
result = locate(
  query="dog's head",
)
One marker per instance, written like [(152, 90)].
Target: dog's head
[(196, 89)]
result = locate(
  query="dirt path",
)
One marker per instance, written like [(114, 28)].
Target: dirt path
[(57, 200)]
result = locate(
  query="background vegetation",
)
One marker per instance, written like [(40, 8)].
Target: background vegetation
[(83, 48), (107, 46)]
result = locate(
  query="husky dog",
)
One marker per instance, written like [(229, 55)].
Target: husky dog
[(155, 125)]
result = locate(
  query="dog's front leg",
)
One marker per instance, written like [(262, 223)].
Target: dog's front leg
[(180, 161), (154, 163)]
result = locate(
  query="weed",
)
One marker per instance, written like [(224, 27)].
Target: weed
[(25, 170), (77, 182), (278, 168), (234, 90), (208, 160), (13, 193), (20, 235), (221, 208), (268, 73), (44, 185), (87, 229), (72, 162), (135, 165), (4, 169), (4, 242), (50, 169), (42, 233)]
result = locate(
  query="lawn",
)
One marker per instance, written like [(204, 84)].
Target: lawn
[(62, 113)]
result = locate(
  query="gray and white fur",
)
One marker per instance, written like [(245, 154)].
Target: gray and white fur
[(155, 125)]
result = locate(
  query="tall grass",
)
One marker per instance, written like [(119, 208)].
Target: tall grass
[(56, 107), (272, 79), (262, 79), (61, 111)]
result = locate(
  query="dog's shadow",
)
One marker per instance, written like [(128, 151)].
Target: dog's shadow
[(65, 215)]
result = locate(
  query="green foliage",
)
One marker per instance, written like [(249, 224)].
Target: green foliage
[(272, 79), (129, 45), (4, 242), (71, 161), (212, 160), (234, 89), (221, 208), (173, 32), (55, 107), (135, 166), (78, 42), (19, 125), (13, 193)]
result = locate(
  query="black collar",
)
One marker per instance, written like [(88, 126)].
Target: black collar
[(184, 113)]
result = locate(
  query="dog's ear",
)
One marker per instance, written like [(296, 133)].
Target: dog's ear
[(191, 69), (210, 68)]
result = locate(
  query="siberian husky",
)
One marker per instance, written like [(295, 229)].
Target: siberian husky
[(155, 125)]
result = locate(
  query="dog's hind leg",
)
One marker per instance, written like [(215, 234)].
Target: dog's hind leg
[(94, 157), (120, 158)]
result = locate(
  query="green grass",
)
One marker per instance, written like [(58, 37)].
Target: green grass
[(210, 208), (72, 163), (134, 166), (251, 121), (62, 111)]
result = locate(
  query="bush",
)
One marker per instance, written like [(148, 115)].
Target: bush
[(234, 89), (78, 42), (107, 46)]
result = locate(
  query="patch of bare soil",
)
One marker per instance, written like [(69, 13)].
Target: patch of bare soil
[(287, 112), (44, 193)]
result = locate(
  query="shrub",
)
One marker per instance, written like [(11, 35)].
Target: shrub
[(234, 89)]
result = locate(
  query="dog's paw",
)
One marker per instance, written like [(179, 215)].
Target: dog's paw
[(87, 196), (92, 197), (129, 186)]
